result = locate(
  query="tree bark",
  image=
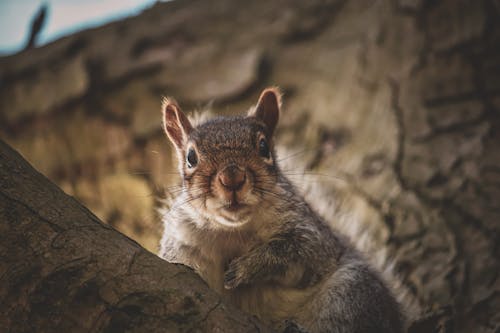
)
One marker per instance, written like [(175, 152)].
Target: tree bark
[(63, 270), (392, 105)]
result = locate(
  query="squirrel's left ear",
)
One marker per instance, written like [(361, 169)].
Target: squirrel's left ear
[(175, 124), (268, 108)]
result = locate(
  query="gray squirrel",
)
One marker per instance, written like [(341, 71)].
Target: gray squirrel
[(245, 229)]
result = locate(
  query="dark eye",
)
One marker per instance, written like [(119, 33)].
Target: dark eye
[(191, 158), (263, 148)]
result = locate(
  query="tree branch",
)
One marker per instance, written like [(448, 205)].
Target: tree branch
[(63, 270)]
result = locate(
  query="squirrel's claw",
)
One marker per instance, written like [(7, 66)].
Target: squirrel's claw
[(233, 276), (230, 281)]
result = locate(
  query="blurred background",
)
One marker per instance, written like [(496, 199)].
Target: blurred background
[(391, 106), (60, 18), (119, 192)]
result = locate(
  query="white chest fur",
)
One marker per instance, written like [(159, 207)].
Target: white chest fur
[(208, 251)]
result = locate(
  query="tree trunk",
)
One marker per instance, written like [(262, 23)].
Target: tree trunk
[(392, 105), (63, 270)]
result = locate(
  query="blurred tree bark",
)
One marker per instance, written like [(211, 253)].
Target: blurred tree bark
[(62, 270), (397, 100)]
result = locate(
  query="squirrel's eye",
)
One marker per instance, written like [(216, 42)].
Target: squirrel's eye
[(264, 148), (191, 158)]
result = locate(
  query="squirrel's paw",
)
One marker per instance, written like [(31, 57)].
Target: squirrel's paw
[(234, 275)]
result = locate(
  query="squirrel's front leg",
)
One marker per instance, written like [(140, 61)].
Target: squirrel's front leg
[(283, 260), (259, 265)]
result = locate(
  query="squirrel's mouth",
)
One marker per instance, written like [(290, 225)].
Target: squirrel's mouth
[(232, 214), (230, 211), (234, 207)]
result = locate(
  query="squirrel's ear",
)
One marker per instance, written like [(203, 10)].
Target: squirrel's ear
[(268, 108), (175, 123)]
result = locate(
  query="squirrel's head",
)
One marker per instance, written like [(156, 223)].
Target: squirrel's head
[(227, 163)]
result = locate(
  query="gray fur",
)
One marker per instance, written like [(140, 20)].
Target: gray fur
[(283, 263)]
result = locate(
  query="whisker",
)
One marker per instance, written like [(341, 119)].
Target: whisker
[(177, 205), (275, 195), (311, 175), (149, 173), (300, 152)]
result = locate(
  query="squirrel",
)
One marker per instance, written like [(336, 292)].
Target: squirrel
[(245, 229)]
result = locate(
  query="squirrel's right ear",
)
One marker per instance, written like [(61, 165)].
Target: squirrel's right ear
[(175, 124), (268, 108)]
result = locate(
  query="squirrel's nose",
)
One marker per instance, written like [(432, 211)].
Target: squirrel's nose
[(232, 177)]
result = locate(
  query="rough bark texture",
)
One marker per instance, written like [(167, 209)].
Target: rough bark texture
[(63, 270), (397, 102)]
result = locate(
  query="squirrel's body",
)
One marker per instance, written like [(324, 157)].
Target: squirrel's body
[(244, 228)]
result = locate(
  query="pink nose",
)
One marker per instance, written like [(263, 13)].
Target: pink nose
[(232, 177)]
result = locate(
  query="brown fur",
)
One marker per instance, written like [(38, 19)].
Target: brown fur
[(245, 229)]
